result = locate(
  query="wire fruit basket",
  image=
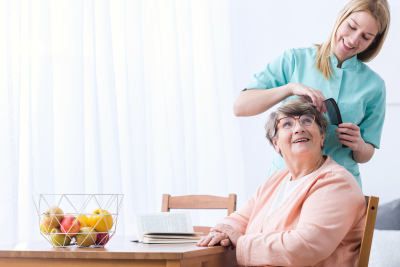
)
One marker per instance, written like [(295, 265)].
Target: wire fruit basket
[(81, 220)]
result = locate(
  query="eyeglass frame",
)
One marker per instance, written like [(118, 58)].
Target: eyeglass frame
[(295, 117)]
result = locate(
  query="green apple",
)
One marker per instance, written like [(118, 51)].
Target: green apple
[(44, 228), (86, 237), (58, 238), (52, 216)]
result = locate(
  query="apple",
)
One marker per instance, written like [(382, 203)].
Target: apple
[(86, 237), (52, 218), (83, 219), (44, 228), (58, 238), (70, 226), (101, 222), (102, 238)]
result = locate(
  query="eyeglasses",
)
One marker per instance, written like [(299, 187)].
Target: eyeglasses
[(288, 122)]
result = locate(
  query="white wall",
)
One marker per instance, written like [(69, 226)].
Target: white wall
[(262, 30)]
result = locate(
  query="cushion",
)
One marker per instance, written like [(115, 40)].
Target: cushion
[(388, 216), (385, 249)]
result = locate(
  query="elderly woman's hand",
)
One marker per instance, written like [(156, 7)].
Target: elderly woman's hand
[(213, 238), (231, 232)]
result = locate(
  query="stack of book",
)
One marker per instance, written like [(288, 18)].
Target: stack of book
[(165, 227)]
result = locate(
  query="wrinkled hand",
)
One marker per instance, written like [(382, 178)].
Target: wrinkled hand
[(232, 233), (350, 135), (310, 95), (213, 238)]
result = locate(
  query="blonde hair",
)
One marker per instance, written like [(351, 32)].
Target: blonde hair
[(379, 9)]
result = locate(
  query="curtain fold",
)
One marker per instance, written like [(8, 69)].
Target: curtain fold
[(131, 97)]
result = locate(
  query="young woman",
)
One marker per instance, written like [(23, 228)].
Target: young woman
[(334, 69)]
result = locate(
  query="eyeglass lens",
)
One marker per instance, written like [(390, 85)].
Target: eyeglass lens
[(305, 119)]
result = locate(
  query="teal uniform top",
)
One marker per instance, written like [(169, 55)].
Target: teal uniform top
[(359, 92)]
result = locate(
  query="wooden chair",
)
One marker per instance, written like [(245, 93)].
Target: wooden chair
[(199, 202), (366, 242)]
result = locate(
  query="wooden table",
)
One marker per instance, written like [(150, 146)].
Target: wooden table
[(118, 252)]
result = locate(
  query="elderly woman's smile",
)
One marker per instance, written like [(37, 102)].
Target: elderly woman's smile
[(301, 140)]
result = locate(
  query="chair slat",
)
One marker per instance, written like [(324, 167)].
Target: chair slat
[(165, 203), (198, 202), (231, 204), (366, 242)]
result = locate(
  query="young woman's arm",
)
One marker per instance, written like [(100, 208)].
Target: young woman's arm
[(256, 101), (365, 154)]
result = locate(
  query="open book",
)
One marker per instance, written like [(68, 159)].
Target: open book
[(165, 227)]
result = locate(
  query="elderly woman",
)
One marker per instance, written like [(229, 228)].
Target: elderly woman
[(310, 213)]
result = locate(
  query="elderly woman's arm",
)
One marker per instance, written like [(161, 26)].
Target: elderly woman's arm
[(240, 219), (237, 223), (329, 212)]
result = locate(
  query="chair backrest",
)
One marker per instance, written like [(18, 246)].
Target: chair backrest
[(199, 202), (366, 242)]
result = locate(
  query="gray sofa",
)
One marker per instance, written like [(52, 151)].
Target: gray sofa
[(385, 250)]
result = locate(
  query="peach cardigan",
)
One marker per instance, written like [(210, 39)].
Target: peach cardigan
[(320, 224)]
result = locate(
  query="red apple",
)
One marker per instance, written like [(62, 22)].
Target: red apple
[(70, 226), (102, 239), (52, 216)]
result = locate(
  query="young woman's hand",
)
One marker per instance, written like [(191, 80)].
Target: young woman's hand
[(213, 238), (231, 232), (350, 135), (309, 94)]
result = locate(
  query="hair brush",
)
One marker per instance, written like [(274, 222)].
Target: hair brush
[(333, 113)]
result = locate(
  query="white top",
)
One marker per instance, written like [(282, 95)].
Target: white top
[(284, 192)]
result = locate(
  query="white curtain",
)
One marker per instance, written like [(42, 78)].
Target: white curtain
[(131, 97)]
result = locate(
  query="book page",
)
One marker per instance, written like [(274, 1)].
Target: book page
[(177, 222), (172, 237), (170, 241)]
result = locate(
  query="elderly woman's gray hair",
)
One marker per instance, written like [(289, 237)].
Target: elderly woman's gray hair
[(294, 107)]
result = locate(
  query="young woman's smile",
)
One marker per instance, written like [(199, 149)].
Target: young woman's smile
[(347, 46)]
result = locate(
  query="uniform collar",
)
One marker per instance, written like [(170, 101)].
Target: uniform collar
[(347, 64)]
